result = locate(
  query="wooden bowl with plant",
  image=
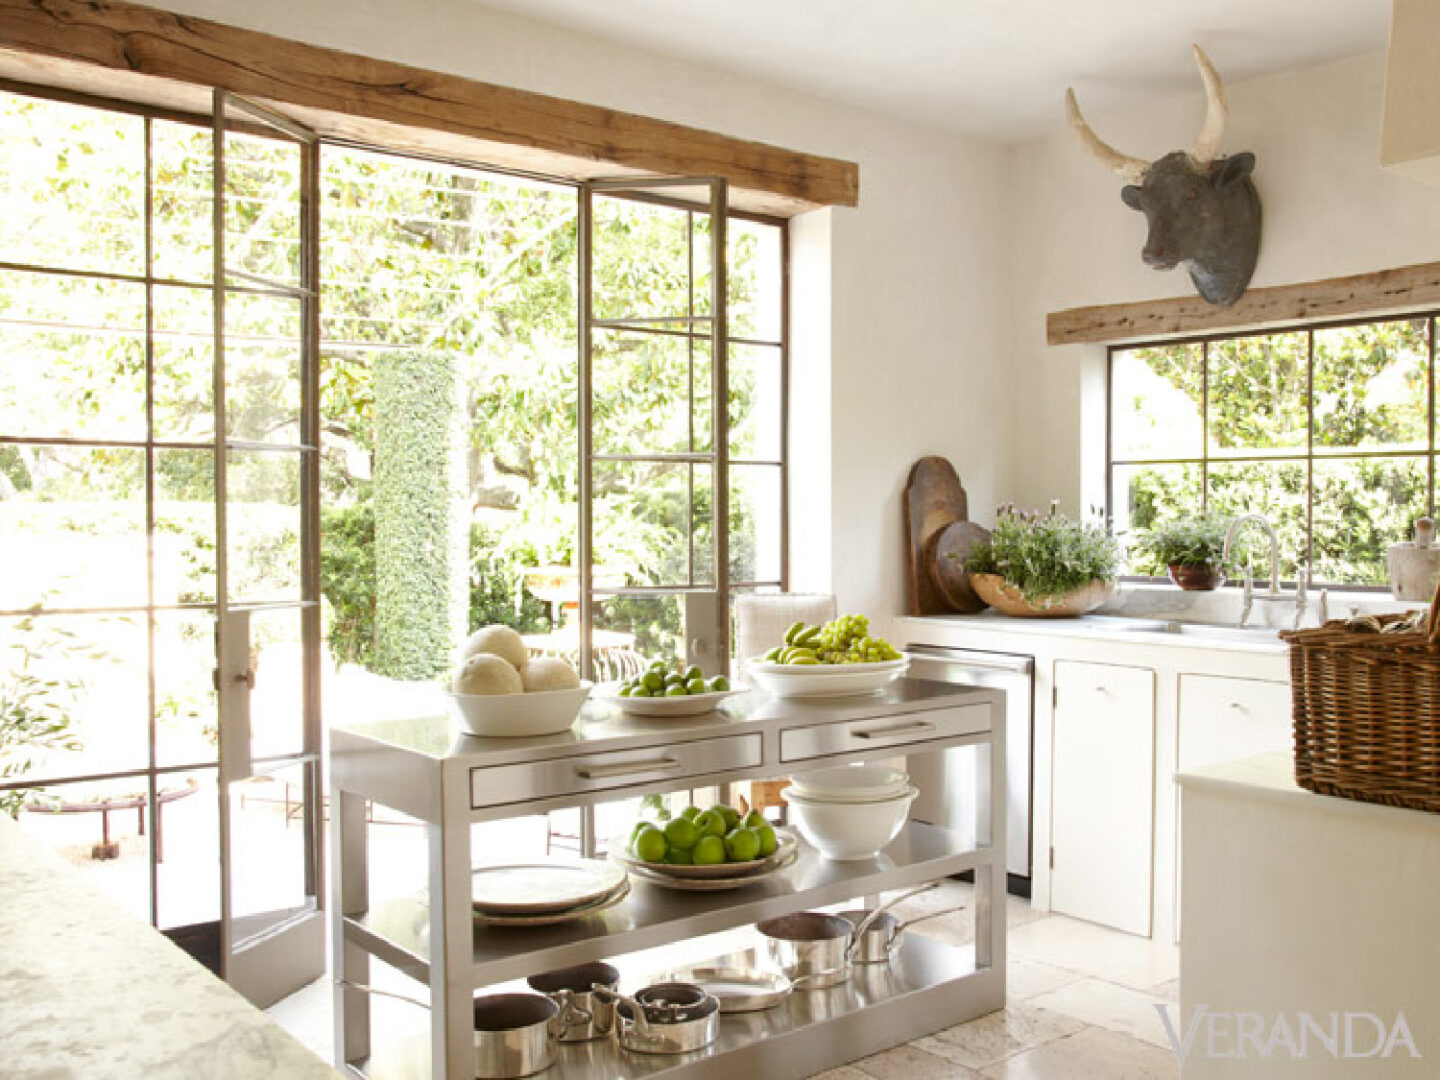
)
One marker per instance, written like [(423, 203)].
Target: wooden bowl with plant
[(1043, 565), (1192, 550)]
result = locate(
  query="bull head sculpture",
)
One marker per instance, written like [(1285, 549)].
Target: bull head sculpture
[(1202, 209)]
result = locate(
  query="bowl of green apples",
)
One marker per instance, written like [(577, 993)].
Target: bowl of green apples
[(702, 844)]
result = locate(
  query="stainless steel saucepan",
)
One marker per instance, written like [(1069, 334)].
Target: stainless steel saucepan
[(810, 947), (877, 933), (666, 1018), (512, 1034), (589, 1016)]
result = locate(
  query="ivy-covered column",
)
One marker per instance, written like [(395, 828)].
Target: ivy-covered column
[(421, 524)]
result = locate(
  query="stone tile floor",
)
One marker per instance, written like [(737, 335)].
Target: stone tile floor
[(1081, 1006)]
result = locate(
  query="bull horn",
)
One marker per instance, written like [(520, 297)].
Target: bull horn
[(1132, 169), (1207, 143)]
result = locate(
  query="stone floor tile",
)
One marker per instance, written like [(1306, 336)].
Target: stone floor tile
[(1106, 1005), (987, 1040), (1024, 979), (1097, 951), (1169, 990), (844, 1072), (1092, 1054), (910, 1062)]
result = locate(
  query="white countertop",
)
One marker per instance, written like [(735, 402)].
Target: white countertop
[(1115, 628), (90, 993)]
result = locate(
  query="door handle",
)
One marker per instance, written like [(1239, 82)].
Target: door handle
[(909, 728), (625, 768)]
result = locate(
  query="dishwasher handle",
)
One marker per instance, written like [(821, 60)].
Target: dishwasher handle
[(1019, 665)]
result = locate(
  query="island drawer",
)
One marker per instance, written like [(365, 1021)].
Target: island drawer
[(499, 784), (821, 740)]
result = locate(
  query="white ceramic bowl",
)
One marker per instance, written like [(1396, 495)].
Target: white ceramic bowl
[(824, 680), (542, 712), (851, 783), (849, 832)]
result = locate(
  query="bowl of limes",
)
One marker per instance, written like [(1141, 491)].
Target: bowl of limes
[(702, 845), (668, 690)]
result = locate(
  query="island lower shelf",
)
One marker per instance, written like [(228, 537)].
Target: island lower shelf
[(397, 931), (923, 988)]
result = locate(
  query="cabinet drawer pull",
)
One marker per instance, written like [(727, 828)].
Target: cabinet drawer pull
[(624, 768), (911, 727)]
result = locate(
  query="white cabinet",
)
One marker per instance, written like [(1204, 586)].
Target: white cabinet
[(1102, 794), (1224, 719)]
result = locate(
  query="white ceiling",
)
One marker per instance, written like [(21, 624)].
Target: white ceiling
[(996, 68)]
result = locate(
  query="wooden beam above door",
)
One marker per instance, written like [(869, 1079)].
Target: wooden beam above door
[(160, 58), (1384, 292)]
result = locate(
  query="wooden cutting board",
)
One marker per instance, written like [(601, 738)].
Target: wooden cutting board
[(934, 500), (945, 561)]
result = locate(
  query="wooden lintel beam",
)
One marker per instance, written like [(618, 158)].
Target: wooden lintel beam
[(341, 91), (1384, 292)]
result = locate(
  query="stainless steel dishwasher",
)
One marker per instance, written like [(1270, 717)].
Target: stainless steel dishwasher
[(948, 781)]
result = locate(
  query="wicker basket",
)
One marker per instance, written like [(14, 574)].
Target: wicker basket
[(1367, 711)]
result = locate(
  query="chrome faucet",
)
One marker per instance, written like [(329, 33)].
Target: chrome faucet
[(1274, 592)]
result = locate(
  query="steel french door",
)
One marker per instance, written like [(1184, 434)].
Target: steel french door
[(672, 314), (267, 630)]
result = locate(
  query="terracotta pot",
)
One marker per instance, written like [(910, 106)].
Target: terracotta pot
[(1008, 600), (1196, 577)]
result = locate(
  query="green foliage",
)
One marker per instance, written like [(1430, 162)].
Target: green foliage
[(497, 588), (1187, 541), (1047, 555), (34, 707), (414, 500), (347, 581)]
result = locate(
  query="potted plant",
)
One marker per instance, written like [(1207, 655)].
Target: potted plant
[(1043, 565), (1191, 549)]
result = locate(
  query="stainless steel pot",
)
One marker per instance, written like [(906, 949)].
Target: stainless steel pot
[(812, 948), (583, 1015), (512, 1034), (667, 1018), (877, 939)]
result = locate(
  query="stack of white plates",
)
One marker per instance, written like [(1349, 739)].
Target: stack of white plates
[(852, 811)]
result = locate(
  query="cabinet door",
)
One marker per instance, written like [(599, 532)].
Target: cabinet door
[(1222, 719), (1102, 795)]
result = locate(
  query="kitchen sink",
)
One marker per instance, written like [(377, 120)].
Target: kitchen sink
[(1172, 628)]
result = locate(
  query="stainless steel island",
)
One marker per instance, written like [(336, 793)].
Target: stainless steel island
[(432, 771)]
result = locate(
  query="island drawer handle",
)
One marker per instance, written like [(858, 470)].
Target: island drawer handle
[(624, 768), (913, 726)]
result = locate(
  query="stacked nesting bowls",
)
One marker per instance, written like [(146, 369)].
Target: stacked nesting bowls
[(850, 812)]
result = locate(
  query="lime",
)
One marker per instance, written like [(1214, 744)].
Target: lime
[(709, 851), (640, 826), (768, 841), (690, 812), (695, 686), (710, 824), (719, 683), (675, 691), (680, 857), (625, 691), (755, 819), (653, 680), (650, 844), (742, 844), (682, 833), (674, 680), (729, 813), (693, 672)]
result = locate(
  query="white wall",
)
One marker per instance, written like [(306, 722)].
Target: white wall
[(1329, 209), (916, 274)]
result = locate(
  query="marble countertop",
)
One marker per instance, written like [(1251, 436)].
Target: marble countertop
[(90, 993)]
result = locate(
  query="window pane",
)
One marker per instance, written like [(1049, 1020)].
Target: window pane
[(185, 365), (755, 516), (262, 368), (184, 543), (1362, 506), (183, 187), (1257, 395), (189, 873), (1275, 489), (268, 854), (641, 260), (73, 820), (186, 725), (1155, 397), (72, 357), (644, 526), (75, 526), (756, 430), (86, 675), (637, 626), (276, 704), (643, 386), (1142, 496), (1371, 387), (754, 278), (262, 206), (264, 526), (72, 186)]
